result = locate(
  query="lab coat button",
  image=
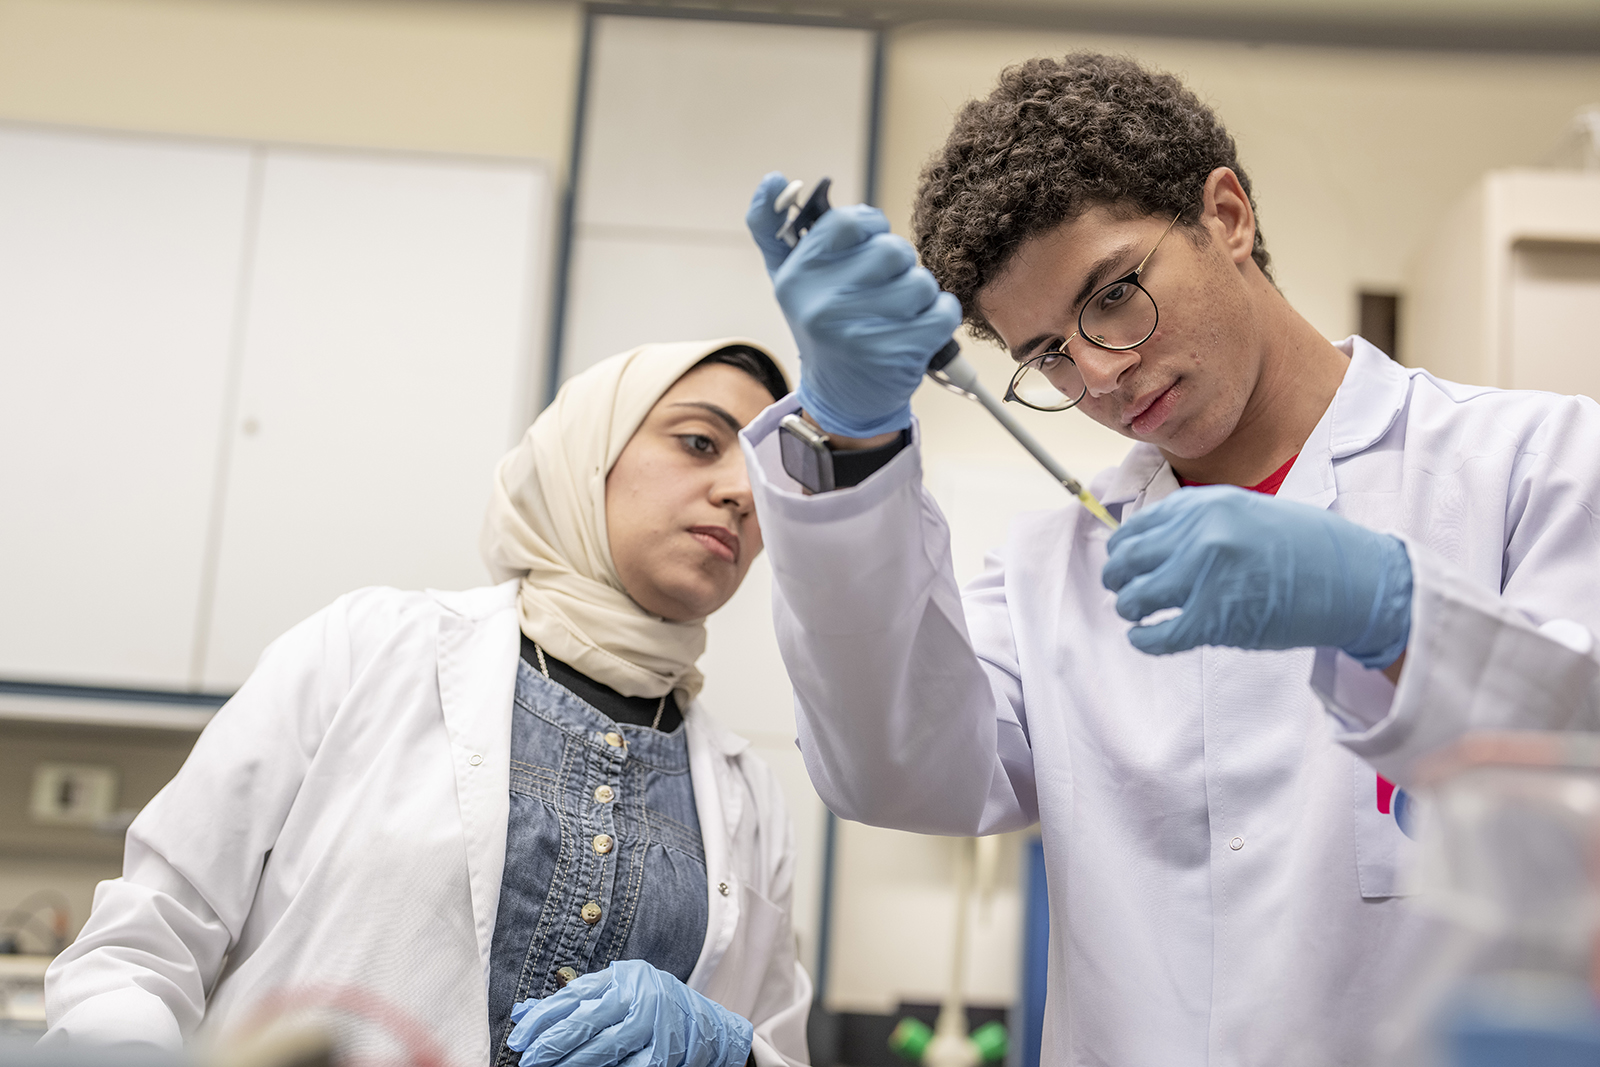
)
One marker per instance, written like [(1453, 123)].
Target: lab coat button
[(474, 759), (1236, 844), (602, 843), (614, 739), (604, 794), (564, 975), (722, 887), (590, 913)]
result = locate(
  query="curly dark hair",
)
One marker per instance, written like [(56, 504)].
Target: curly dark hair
[(1056, 137)]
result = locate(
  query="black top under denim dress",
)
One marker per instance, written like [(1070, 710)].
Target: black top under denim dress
[(603, 854)]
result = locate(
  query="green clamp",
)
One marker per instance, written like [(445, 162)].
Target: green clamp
[(911, 1038)]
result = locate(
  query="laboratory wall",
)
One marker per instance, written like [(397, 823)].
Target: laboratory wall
[(1356, 155), (476, 76)]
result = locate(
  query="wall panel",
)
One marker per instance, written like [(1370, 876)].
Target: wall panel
[(119, 263), (683, 117), (394, 310)]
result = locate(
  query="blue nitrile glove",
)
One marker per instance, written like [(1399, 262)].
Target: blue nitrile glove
[(764, 223), (1252, 571), (628, 1013), (866, 317)]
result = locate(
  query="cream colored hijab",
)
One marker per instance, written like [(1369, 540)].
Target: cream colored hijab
[(547, 525)]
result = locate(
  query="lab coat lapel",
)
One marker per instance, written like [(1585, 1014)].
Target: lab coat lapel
[(1141, 479), (1310, 480), (477, 681), (1364, 407), (719, 808)]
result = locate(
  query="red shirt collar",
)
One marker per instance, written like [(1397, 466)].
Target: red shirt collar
[(1268, 485)]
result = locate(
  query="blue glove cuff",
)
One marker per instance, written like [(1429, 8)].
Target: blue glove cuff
[(833, 421), (743, 1037), (1389, 624)]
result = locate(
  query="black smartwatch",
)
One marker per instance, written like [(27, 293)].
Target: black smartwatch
[(811, 461)]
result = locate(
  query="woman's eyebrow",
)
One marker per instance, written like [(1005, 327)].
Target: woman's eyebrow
[(733, 423)]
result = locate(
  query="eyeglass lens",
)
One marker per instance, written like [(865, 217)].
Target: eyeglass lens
[(1118, 317), (1036, 383)]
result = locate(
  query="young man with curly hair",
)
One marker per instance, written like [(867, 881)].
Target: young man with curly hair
[(1206, 709)]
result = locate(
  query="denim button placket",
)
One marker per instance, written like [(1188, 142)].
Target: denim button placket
[(556, 723), (593, 908)]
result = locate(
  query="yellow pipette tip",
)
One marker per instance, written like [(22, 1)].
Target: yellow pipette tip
[(1096, 508)]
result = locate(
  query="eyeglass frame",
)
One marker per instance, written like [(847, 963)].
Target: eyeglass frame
[(1131, 278)]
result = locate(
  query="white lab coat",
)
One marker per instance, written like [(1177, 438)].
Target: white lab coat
[(1223, 886), (342, 823)]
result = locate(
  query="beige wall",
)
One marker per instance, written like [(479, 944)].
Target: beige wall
[(471, 76)]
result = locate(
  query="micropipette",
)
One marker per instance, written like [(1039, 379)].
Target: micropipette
[(947, 367)]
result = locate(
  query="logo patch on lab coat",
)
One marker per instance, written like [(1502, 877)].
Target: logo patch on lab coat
[(1383, 852)]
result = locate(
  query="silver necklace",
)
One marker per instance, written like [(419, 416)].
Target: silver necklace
[(544, 669)]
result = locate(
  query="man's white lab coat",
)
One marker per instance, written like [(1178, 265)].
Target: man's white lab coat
[(341, 824), (1222, 880)]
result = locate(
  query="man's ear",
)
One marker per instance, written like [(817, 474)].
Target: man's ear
[(1226, 212)]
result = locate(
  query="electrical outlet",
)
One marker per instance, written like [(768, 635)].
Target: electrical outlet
[(73, 794)]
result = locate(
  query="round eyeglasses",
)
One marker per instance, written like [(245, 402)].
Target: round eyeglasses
[(1118, 316)]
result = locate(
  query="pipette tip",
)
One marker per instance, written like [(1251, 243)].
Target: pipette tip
[(1097, 509)]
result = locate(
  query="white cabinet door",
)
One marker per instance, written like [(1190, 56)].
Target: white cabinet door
[(1507, 290), (392, 318), (1555, 305), (119, 267)]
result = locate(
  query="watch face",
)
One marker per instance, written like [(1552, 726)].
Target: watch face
[(805, 461)]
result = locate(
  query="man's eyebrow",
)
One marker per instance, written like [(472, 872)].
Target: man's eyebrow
[(1096, 277), (733, 423)]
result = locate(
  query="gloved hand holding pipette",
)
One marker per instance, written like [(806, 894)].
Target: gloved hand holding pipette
[(866, 316), (869, 320)]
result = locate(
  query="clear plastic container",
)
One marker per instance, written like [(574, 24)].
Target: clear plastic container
[(1509, 832)]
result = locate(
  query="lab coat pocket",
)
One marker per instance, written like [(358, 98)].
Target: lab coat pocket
[(1384, 854), (738, 979)]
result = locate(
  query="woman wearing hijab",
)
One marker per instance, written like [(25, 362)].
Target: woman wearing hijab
[(497, 815)]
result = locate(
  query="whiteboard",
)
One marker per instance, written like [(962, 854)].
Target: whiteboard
[(393, 314), (119, 260), (683, 118)]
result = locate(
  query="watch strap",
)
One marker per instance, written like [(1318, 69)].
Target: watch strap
[(854, 466)]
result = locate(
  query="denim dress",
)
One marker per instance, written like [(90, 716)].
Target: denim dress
[(603, 854)]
